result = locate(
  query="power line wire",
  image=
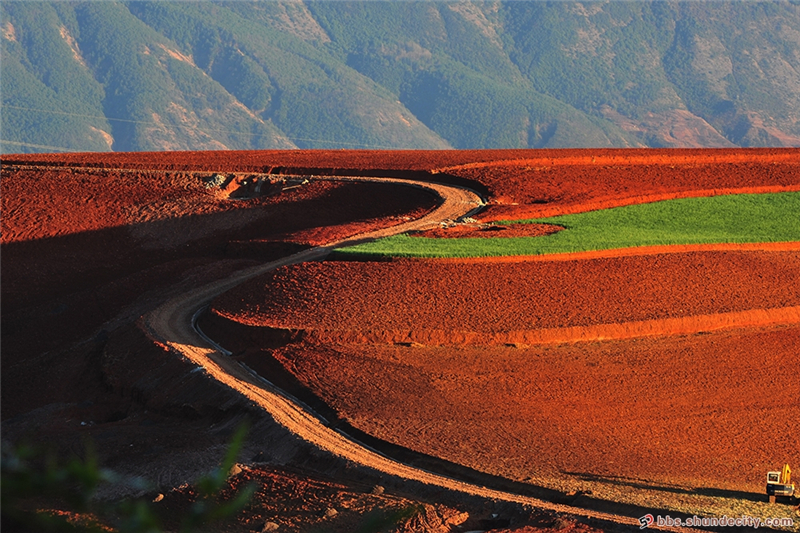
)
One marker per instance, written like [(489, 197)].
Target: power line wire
[(131, 121), (43, 146)]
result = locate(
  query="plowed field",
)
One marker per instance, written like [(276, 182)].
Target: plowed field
[(658, 413), (630, 420), (451, 161), (81, 246), (533, 192), (644, 378), (519, 183), (684, 395), (41, 203), (439, 302)]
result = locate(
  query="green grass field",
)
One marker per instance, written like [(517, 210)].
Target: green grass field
[(738, 218)]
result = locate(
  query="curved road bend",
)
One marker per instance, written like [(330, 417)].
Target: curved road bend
[(171, 324)]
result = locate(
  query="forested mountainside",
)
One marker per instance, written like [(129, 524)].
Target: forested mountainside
[(131, 76)]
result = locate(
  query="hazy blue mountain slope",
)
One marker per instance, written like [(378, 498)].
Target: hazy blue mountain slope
[(611, 54), (740, 69), (313, 97), (165, 75), (447, 63), (674, 73), (42, 68), (171, 103)]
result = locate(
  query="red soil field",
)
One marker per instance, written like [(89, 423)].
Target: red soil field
[(679, 414), (79, 247), (661, 412), (60, 221), (680, 411), (62, 201), (443, 302), (519, 183), (441, 161), (88, 251), (542, 191)]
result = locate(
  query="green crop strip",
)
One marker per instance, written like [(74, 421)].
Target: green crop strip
[(739, 218)]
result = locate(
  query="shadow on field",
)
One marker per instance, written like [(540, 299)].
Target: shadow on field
[(642, 484), (63, 289)]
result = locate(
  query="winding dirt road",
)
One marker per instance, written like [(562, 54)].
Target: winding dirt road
[(171, 325)]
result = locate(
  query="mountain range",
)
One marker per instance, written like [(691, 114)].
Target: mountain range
[(150, 76)]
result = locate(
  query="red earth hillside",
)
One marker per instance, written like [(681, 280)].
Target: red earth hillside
[(423, 354), (665, 408), (435, 356), (80, 246)]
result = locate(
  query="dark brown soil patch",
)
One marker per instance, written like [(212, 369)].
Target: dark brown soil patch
[(85, 252), (486, 231)]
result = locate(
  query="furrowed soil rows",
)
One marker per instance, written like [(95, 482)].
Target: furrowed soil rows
[(81, 246), (658, 422), (441, 161), (657, 413), (543, 191), (41, 203), (442, 302)]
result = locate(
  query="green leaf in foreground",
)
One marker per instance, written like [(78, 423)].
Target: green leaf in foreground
[(29, 473), (739, 218)]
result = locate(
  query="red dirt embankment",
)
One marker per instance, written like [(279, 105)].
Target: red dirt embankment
[(474, 302), (59, 201)]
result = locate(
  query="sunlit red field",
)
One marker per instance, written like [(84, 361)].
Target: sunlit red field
[(434, 356), (475, 302), (660, 369), (659, 412), (674, 371), (519, 183)]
